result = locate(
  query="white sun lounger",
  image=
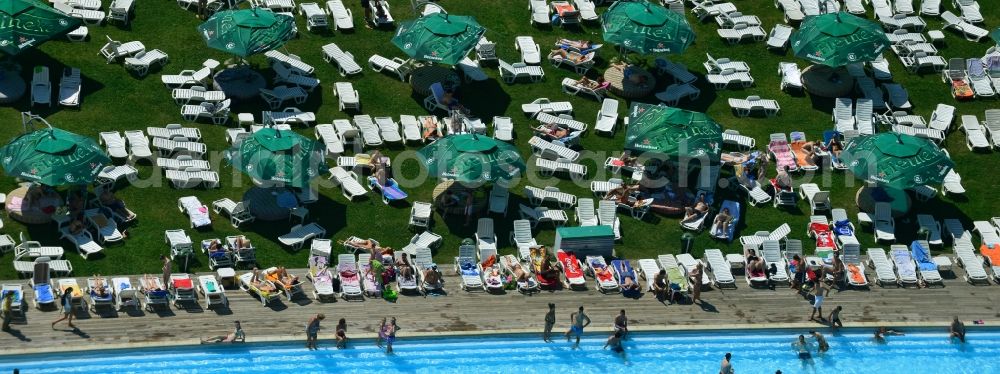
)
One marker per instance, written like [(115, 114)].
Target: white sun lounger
[(467, 268), (538, 196), (105, 227), (541, 214), (540, 14), (677, 70), (970, 31), (411, 128), (197, 94), (388, 129), (342, 16), (721, 269), (778, 37), (607, 214), (607, 117), (70, 87), (214, 294), (543, 148), (585, 213), (143, 61), (277, 96), (344, 61), (503, 128), (369, 131), (41, 86), (649, 269), (186, 78), (348, 182), (511, 72), (530, 52), (83, 241), (965, 256), (544, 105), (906, 269), (300, 234), (397, 66), (521, 237), (284, 74), (314, 15), (970, 10), (885, 274), (218, 113)]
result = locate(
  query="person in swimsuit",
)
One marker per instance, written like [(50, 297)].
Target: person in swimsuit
[(580, 321), (342, 334), (430, 128), (721, 222), (835, 317), (621, 324), (66, 301), (237, 334), (381, 333), (390, 334), (956, 330), (661, 285), (823, 346), (802, 347), (696, 278), (818, 303), (726, 367), (550, 321), (312, 330), (615, 342)]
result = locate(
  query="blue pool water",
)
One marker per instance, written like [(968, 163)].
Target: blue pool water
[(756, 352)]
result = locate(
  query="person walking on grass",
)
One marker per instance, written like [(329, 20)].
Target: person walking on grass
[(817, 307), (580, 321), (550, 321), (66, 301), (312, 330)]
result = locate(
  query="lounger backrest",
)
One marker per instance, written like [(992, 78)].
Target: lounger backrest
[(467, 252)]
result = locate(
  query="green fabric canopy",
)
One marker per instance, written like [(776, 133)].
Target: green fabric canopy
[(896, 160), (28, 23), (838, 39), (248, 31), (470, 158), (995, 34), (646, 28), (278, 157), (439, 37), (673, 132), (53, 157)]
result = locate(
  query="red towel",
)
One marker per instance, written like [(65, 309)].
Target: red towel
[(570, 265), (183, 283)]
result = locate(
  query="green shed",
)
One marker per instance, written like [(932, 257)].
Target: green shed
[(586, 241)]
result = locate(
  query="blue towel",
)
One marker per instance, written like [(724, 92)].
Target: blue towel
[(43, 292), (921, 255), (843, 227)]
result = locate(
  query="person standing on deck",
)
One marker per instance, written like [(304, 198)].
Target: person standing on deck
[(697, 275), (550, 321), (8, 301), (580, 321), (312, 330), (390, 334), (817, 308), (166, 271)]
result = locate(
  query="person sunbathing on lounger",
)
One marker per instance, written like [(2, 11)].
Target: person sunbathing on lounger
[(368, 244), (783, 180), (284, 279), (553, 131), (261, 284), (430, 129), (578, 44), (149, 282), (241, 242), (116, 205), (755, 266), (99, 288), (448, 99), (695, 213), (574, 57), (592, 84), (519, 274), (432, 277), (76, 227), (722, 222)]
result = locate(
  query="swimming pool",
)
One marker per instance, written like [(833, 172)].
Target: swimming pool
[(700, 352)]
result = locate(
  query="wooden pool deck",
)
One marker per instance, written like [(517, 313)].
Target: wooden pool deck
[(462, 312)]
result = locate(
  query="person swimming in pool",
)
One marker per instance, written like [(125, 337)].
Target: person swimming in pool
[(615, 342), (802, 347)]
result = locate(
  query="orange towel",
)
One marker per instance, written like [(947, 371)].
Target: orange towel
[(992, 254), (800, 155), (857, 276), (489, 261)]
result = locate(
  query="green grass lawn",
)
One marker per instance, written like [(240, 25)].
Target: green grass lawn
[(114, 100)]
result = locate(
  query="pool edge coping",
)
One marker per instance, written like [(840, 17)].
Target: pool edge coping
[(285, 338)]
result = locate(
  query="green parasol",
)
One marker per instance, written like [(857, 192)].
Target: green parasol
[(248, 31), (28, 23), (896, 160), (838, 39), (53, 157), (471, 158), (278, 156), (676, 133), (995, 34), (439, 37), (646, 28)]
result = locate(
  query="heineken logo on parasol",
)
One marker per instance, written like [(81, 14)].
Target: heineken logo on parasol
[(30, 25), (433, 56)]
